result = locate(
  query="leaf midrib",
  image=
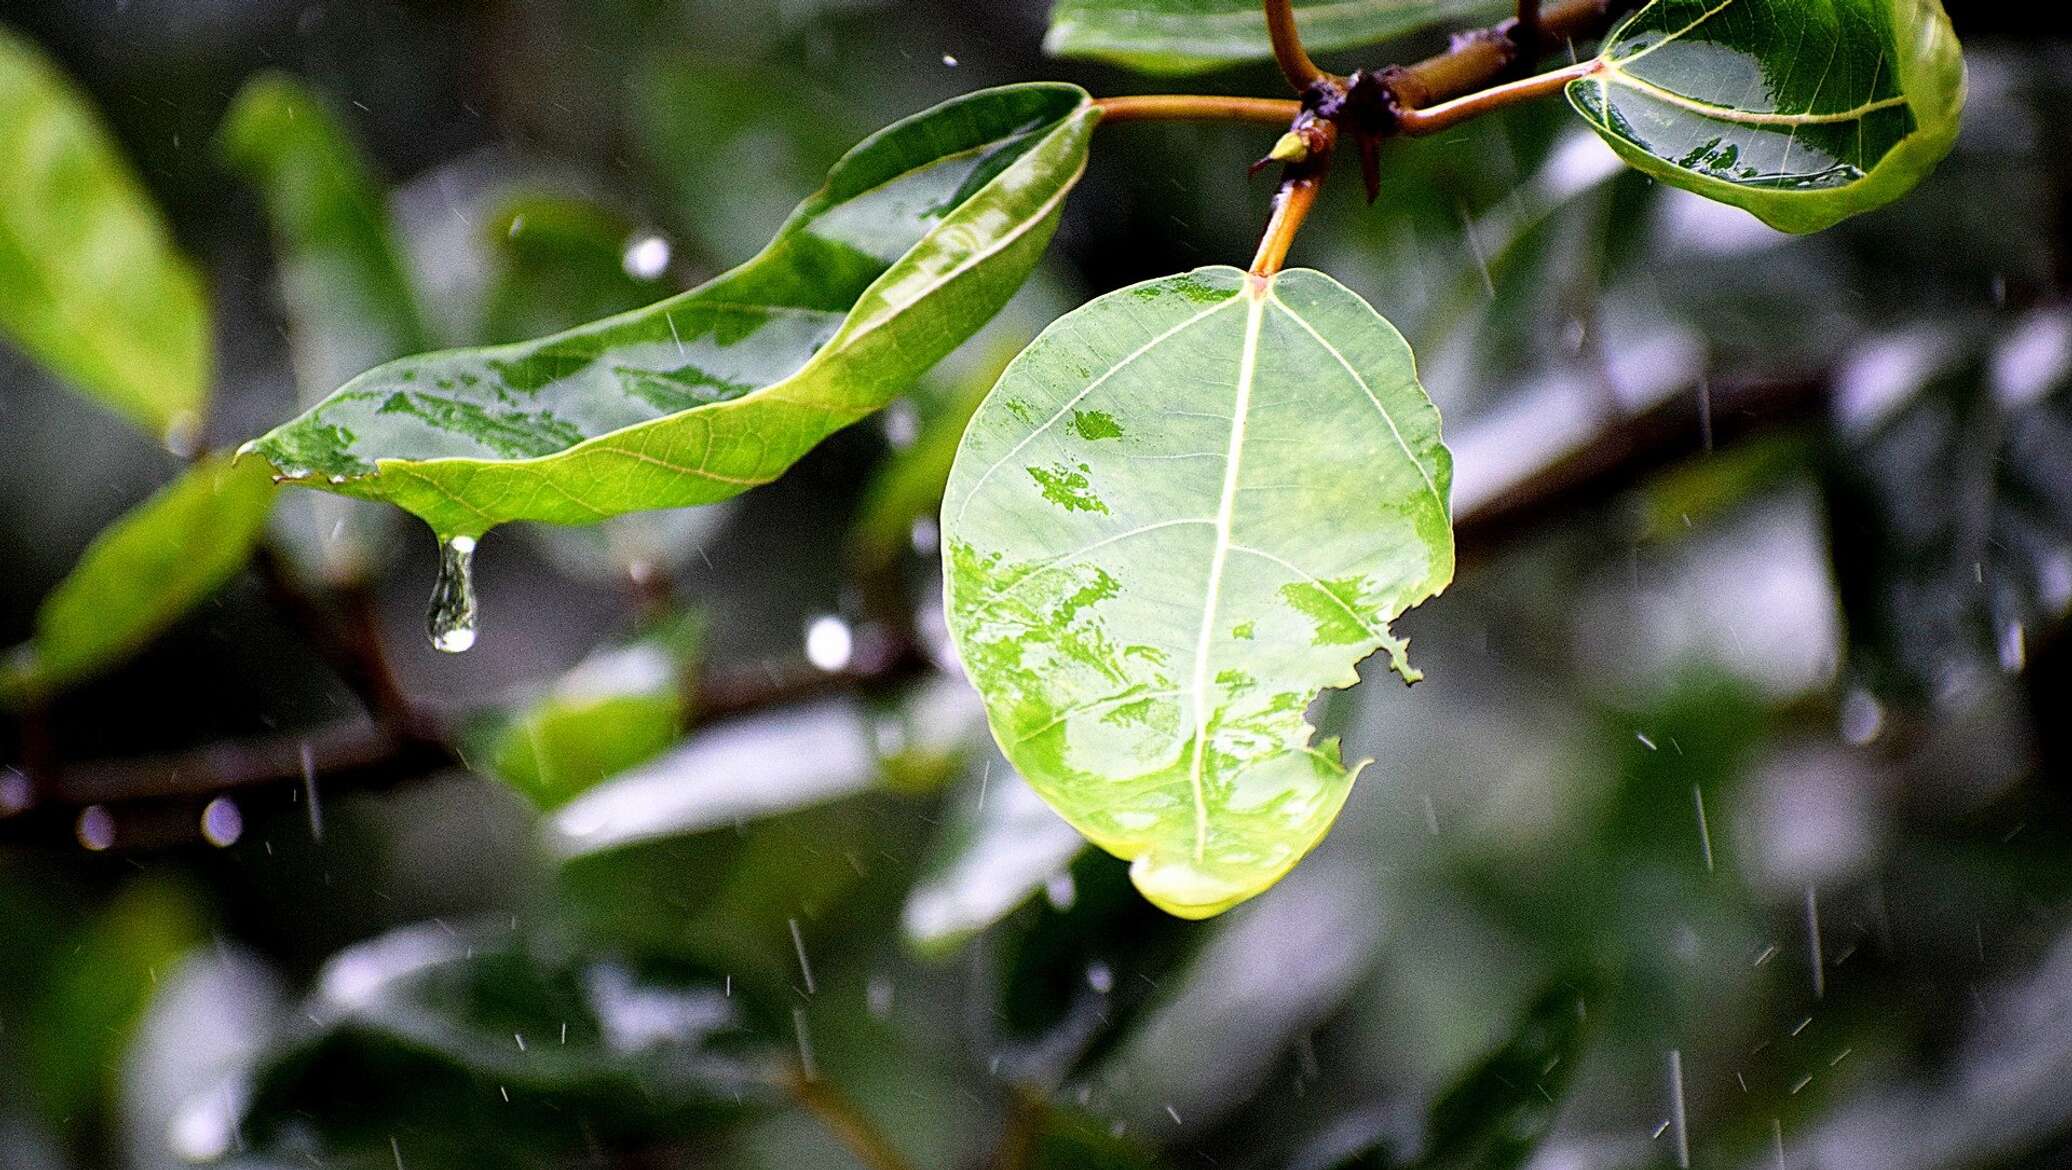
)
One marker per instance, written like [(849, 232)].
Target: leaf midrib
[(1226, 508)]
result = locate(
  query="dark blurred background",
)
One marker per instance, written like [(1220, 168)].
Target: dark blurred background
[(1731, 826)]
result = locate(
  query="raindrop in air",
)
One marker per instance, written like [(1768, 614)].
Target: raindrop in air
[(647, 258), (829, 644), (221, 823), (451, 622)]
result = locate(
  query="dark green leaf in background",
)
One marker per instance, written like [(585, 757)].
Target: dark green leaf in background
[(1188, 36), (90, 283), (1184, 510), (1803, 112), (922, 233)]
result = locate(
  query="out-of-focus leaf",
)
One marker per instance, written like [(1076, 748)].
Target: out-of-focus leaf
[(560, 261), (90, 283), (1000, 846), (348, 297), (1802, 114), (759, 766), (921, 234), (1189, 36), (1952, 505), (95, 992), (1065, 1140), (620, 708), (165, 556), (910, 486), (1184, 510), (1497, 1114), (436, 1037), (350, 302), (208, 1018), (729, 159)]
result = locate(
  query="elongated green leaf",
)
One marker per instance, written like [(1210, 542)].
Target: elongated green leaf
[(921, 234), (90, 284), (347, 294), (349, 299), (1187, 508), (1803, 112), (1188, 36), (164, 557)]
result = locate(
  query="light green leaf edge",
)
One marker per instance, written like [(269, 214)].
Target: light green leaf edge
[(1932, 79), (90, 282), (976, 255), (164, 557), (1090, 707), (1176, 37)]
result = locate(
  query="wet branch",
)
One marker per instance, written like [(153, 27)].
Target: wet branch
[(364, 756)]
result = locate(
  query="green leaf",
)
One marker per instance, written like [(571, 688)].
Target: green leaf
[(1188, 36), (90, 283), (344, 285), (349, 298), (920, 235), (153, 565), (1188, 507), (620, 708), (1802, 113)]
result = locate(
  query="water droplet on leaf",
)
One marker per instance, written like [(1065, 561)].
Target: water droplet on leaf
[(451, 622)]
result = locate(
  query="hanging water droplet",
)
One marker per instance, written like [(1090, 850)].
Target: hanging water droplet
[(451, 622)]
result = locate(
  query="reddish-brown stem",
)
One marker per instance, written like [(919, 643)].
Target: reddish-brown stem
[(1290, 207), (1446, 115), (1292, 203), (1198, 108), (1288, 52)]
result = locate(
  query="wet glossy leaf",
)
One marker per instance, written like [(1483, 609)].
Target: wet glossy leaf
[(90, 284), (620, 708), (165, 556), (1803, 114), (922, 233), (1000, 845), (345, 290), (1188, 36), (1186, 509)]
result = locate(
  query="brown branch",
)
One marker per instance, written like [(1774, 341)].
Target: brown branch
[(1180, 107), (1288, 53), (850, 1125), (1628, 452)]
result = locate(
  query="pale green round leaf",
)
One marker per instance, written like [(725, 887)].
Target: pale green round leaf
[(1185, 509), (919, 236), (1802, 112)]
